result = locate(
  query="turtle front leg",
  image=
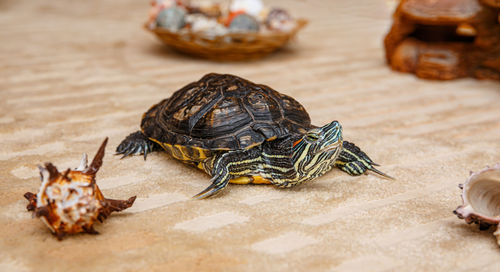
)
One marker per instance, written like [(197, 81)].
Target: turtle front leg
[(355, 162), (136, 143)]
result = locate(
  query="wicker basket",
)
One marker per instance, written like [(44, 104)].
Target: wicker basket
[(228, 47)]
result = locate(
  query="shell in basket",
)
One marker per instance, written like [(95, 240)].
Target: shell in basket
[(227, 47), (245, 30)]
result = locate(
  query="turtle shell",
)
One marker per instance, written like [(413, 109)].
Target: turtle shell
[(224, 112)]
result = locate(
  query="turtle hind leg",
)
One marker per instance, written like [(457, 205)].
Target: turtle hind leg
[(220, 183), (355, 162), (226, 167), (134, 144), (220, 176)]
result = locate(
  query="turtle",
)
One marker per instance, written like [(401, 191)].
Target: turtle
[(241, 132)]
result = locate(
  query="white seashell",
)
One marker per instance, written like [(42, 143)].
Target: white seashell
[(252, 7), (481, 199), (210, 26)]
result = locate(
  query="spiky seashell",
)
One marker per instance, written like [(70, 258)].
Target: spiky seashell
[(481, 199), (71, 202)]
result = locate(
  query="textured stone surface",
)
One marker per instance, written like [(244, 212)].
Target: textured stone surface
[(445, 39), (75, 72)]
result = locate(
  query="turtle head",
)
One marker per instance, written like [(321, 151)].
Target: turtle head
[(315, 153)]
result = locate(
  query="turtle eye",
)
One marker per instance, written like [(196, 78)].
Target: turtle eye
[(312, 137)]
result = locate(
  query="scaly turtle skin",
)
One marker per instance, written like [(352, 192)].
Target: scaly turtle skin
[(241, 132)]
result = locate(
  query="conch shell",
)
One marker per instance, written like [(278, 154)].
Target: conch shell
[(71, 202), (481, 199)]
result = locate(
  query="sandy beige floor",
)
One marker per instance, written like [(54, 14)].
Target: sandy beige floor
[(74, 72)]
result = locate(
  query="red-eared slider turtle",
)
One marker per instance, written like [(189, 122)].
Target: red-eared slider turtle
[(241, 132)]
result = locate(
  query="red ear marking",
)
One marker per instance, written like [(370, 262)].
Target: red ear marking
[(297, 142)]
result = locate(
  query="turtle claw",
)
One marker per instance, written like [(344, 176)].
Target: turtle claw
[(211, 190), (216, 187), (135, 144), (375, 170), (127, 153)]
